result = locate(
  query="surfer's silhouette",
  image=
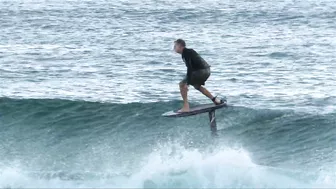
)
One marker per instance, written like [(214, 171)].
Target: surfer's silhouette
[(198, 71)]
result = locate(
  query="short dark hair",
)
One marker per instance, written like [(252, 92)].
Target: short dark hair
[(181, 42)]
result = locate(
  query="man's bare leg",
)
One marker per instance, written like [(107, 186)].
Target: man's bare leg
[(208, 94), (205, 92), (184, 94)]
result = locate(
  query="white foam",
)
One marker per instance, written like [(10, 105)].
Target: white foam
[(173, 166), (176, 167)]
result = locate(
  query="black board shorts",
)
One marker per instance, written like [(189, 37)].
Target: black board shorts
[(197, 78)]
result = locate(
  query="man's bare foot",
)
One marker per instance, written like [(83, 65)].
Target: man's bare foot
[(184, 109)]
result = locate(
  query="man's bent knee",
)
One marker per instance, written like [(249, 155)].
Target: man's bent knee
[(197, 87), (182, 84)]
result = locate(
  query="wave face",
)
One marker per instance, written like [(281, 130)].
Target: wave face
[(61, 143)]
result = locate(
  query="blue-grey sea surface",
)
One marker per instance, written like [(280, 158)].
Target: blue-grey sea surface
[(83, 84)]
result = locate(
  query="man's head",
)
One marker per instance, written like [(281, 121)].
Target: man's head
[(179, 45)]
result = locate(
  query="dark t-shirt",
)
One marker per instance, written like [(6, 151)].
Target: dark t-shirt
[(193, 61)]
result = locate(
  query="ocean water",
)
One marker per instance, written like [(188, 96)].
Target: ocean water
[(83, 84)]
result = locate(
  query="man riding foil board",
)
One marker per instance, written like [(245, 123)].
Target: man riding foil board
[(198, 71)]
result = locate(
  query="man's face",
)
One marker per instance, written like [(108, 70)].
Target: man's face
[(178, 48)]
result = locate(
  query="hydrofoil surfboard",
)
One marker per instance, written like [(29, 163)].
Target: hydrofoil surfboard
[(203, 108)]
